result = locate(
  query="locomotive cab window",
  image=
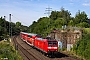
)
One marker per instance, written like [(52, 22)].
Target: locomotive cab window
[(30, 36), (52, 43)]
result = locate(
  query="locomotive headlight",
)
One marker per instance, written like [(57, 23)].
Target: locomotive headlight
[(49, 47), (52, 47), (55, 47)]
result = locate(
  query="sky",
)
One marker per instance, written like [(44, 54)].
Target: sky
[(27, 11)]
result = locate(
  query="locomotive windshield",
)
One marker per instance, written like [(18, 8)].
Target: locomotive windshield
[(52, 43), (30, 36)]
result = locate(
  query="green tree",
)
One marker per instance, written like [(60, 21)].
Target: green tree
[(57, 19), (83, 24), (71, 23), (18, 24), (59, 22), (53, 15), (81, 17)]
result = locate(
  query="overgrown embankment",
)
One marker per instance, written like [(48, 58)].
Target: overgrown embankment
[(8, 52), (82, 47)]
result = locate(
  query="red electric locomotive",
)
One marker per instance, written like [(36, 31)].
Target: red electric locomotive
[(47, 46)]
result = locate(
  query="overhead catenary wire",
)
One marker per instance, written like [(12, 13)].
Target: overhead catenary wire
[(19, 19)]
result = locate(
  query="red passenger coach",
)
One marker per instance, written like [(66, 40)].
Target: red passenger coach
[(24, 35), (31, 37)]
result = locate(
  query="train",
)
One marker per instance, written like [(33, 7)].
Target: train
[(46, 45)]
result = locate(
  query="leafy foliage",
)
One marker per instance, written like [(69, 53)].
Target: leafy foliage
[(83, 46), (41, 26), (6, 27), (57, 19), (7, 51)]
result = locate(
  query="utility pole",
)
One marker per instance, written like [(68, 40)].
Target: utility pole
[(10, 27), (48, 11), (4, 21), (4, 24), (4, 17)]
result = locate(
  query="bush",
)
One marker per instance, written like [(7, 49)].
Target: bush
[(7, 51), (83, 46)]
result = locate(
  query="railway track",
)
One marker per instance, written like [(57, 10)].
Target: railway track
[(32, 54), (32, 50), (27, 54)]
